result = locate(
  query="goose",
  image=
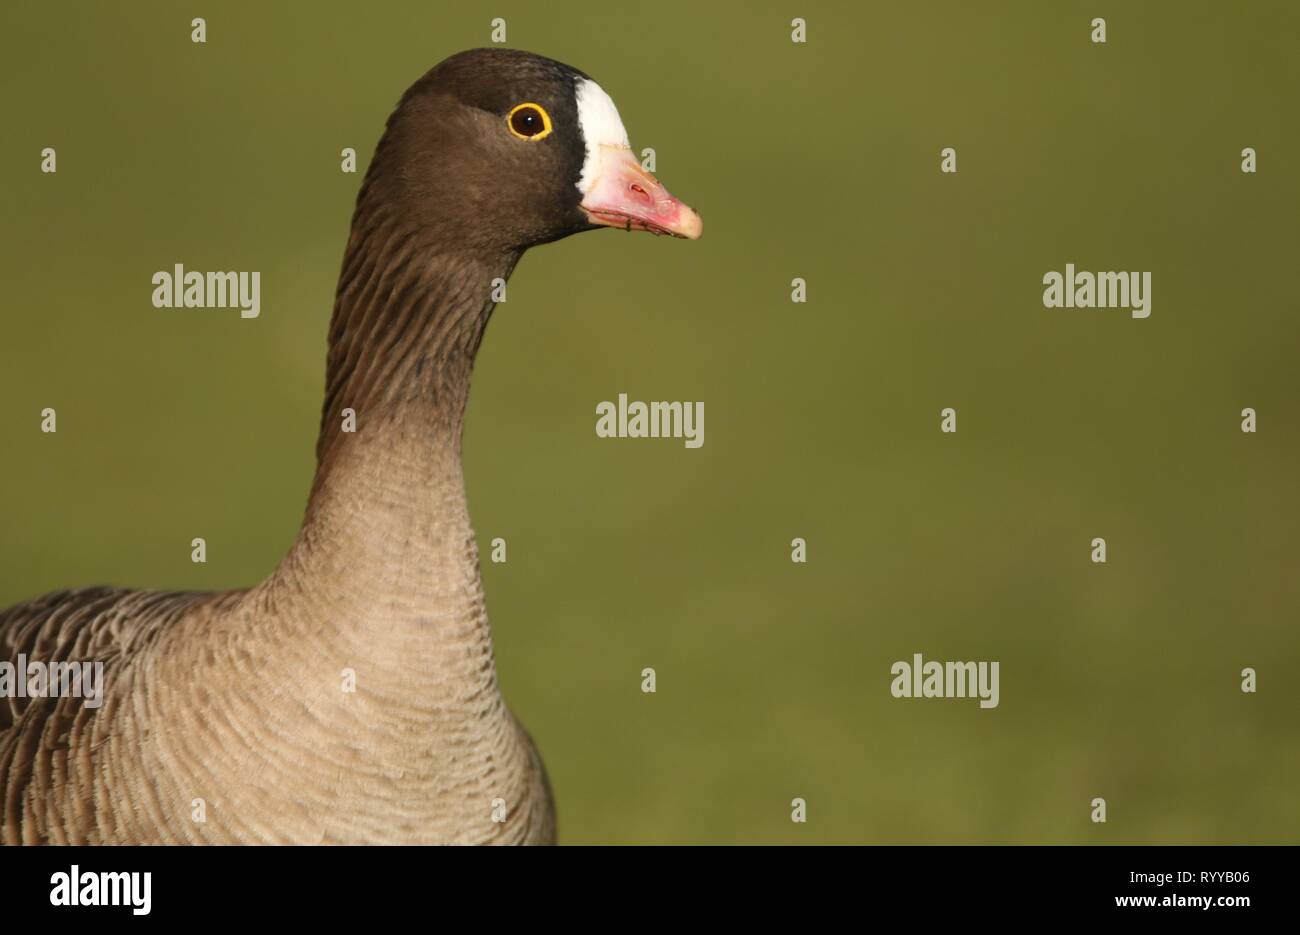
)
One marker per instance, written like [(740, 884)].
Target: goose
[(228, 717)]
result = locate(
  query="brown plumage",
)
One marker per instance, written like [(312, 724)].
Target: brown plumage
[(230, 706)]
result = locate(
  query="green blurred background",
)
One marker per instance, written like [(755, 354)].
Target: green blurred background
[(822, 420)]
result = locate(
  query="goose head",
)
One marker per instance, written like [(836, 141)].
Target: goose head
[(501, 149)]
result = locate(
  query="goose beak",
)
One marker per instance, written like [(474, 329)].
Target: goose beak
[(627, 196)]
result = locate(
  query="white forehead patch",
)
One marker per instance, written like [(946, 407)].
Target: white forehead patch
[(601, 126)]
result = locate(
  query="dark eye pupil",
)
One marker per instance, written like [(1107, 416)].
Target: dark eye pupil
[(527, 122)]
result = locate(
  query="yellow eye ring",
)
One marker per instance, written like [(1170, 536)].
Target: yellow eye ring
[(529, 121)]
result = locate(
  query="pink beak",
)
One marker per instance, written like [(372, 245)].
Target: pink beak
[(625, 195)]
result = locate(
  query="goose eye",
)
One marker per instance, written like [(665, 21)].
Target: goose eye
[(529, 121)]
